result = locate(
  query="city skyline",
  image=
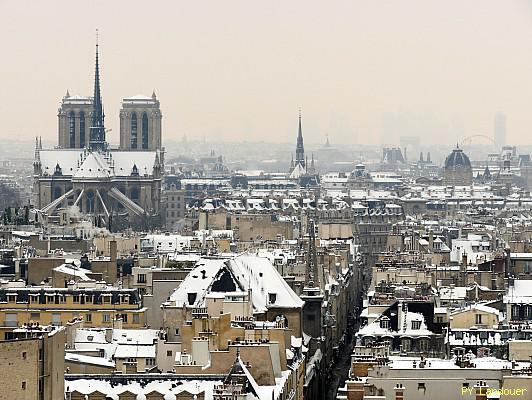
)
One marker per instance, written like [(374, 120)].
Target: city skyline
[(240, 72)]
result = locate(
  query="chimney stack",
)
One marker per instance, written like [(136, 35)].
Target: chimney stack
[(399, 390), (481, 390)]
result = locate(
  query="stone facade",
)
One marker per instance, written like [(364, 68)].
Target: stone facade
[(35, 365), (74, 116), (457, 171), (140, 123)]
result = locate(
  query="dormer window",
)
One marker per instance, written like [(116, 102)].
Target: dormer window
[(385, 323), (58, 170), (416, 325), (191, 298), (272, 298)]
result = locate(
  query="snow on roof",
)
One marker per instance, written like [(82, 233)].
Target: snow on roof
[(477, 307), (94, 166), (491, 363), (456, 293), (408, 328), (90, 336), (520, 292), (473, 338), (140, 351), (70, 269), (247, 272), (83, 359), (521, 255), (170, 388), (140, 336)]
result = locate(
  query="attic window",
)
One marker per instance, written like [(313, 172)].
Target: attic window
[(90, 338), (272, 298), (416, 325), (192, 298)]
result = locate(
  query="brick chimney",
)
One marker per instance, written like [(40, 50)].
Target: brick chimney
[(399, 390), (481, 390), (355, 390)]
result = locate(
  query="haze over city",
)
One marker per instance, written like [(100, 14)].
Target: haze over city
[(239, 70)]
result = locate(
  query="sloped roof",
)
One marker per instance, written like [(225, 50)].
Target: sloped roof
[(94, 166), (246, 272)]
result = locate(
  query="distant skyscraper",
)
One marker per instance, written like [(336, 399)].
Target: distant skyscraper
[(499, 130)]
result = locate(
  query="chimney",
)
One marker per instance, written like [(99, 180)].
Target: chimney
[(113, 250), (355, 390), (463, 267), (481, 390), (109, 335), (399, 390)]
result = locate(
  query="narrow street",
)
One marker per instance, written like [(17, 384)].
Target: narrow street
[(340, 371)]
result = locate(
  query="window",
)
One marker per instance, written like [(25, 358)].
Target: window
[(515, 312), (168, 353), (124, 318), (416, 325), (88, 317), (106, 317), (177, 331), (134, 133), (35, 316), (141, 278), (81, 129), (150, 361), (465, 384), (144, 131), (24, 355), (56, 319), (23, 385), (131, 360), (11, 320), (136, 318), (75, 298), (72, 129), (421, 386), (478, 319)]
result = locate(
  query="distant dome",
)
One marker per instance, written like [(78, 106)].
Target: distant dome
[(457, 159)]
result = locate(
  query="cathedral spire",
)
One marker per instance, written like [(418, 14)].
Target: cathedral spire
[(97, 130), (300, 150)]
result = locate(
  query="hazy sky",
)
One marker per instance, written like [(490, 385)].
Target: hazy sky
[(241, 69)]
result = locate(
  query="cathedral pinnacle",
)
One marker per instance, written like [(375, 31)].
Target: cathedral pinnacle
[(300, 150), (97, 130)]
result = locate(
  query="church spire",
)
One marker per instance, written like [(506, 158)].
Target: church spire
[(300, 150), (97, 130)]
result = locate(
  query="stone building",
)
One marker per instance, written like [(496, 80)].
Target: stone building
[(34, 360), (101, 182), (140, 123), (74, 116), (457, 169)]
